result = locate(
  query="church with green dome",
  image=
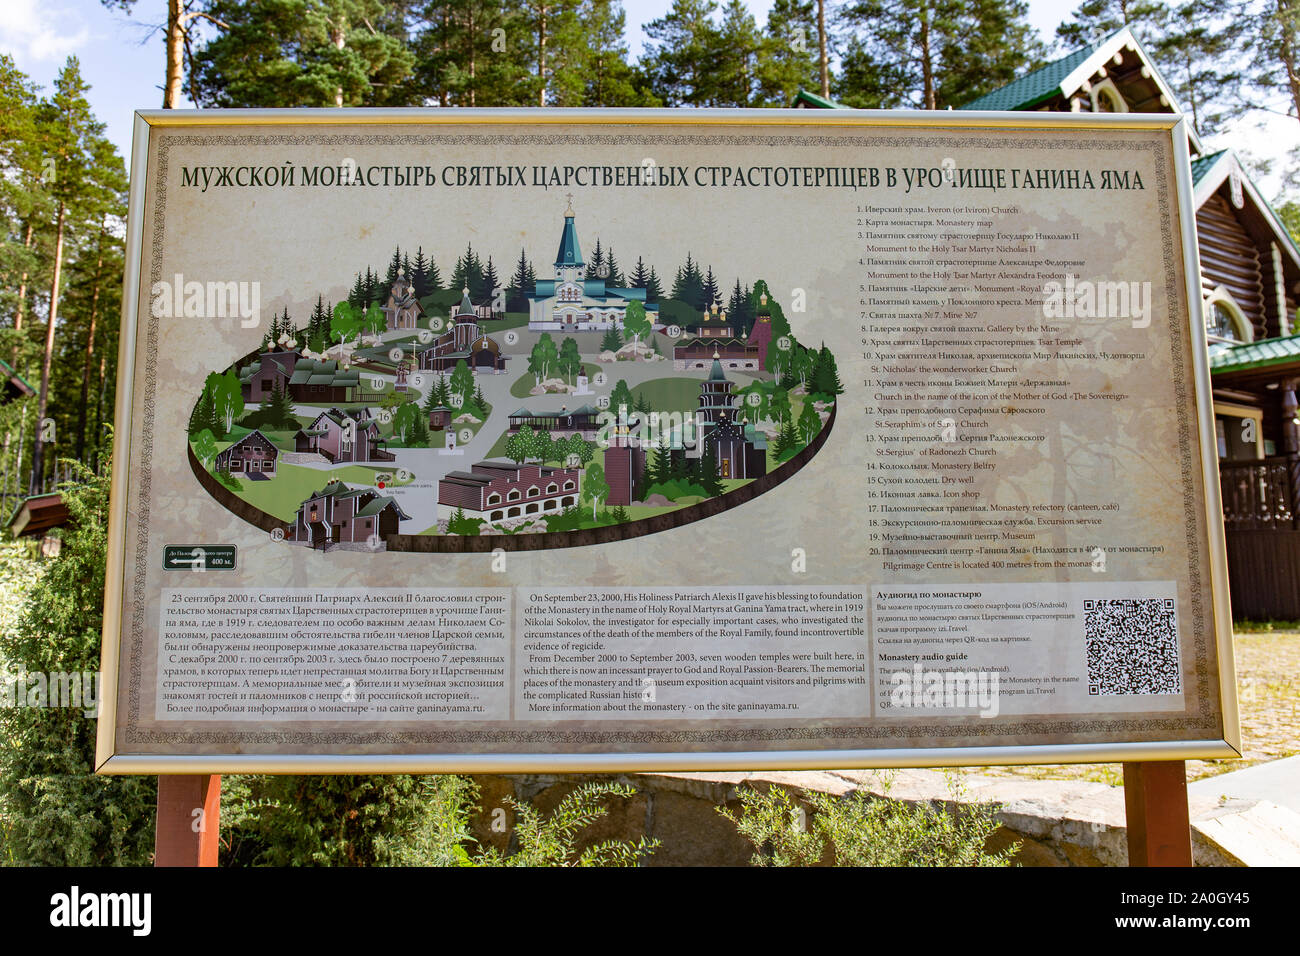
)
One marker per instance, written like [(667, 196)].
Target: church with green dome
[(571, 302)]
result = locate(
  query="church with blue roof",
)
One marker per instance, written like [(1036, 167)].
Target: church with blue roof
[(571, 302)]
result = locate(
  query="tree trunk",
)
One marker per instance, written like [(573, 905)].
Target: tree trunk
[(175, 53), (339, 42), (90, 346), (22, 301), (38, 453), (99, 408), (821, 48), (927, 66), (471, 57), (1289, 46), (541, 55)]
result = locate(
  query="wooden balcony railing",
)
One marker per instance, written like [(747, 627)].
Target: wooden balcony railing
[(1260, 494)]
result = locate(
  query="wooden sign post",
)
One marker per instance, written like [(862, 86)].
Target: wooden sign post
[(1155, 804), (189, 815)]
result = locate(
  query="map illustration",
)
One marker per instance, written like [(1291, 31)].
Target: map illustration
[(423, 410)]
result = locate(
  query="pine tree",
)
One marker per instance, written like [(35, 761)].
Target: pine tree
[(640, 276), (653, 290), (318, 325), (490, 283), (370, 290), (615, 279), (787, 441), (706, 474), (202, 415), (825, 377), (711, 296), (520, 286), (420, 274), (932, 54), (659, 468), (612, 341), (282, 406), (419, 432), (736, 309), (344, 53), (394, 270), (597, 263), (357, 297), (474, 275)]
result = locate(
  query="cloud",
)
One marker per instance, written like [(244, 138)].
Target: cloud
[(41, 34)]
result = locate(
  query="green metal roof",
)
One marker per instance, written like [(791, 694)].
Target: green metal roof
[(1254, 355), (9, 371), (813, 101), (1036, 87), (1202, 165)]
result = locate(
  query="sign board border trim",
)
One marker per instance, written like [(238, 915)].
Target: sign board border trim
[(109, 761)]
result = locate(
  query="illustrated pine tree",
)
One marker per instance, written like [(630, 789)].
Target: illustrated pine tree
[(787, 442), (810, 422), (825, 376), (615, 277), (653, 290), (520, 285), (640, 277), (490, 283)]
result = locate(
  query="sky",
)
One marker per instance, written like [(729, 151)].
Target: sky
[(123, 58)]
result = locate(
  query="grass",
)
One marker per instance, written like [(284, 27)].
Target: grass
[(676, 394), (293, 484)]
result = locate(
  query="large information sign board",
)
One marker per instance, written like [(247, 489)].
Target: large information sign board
[(551, 440)]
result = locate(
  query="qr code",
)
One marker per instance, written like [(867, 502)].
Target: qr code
[(1132, 647)]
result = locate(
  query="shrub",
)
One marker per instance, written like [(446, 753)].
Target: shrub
[(864, 830), (342, 820), (551, 840), (56, 811)]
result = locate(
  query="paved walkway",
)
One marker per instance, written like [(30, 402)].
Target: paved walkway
[(1277, 781)]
